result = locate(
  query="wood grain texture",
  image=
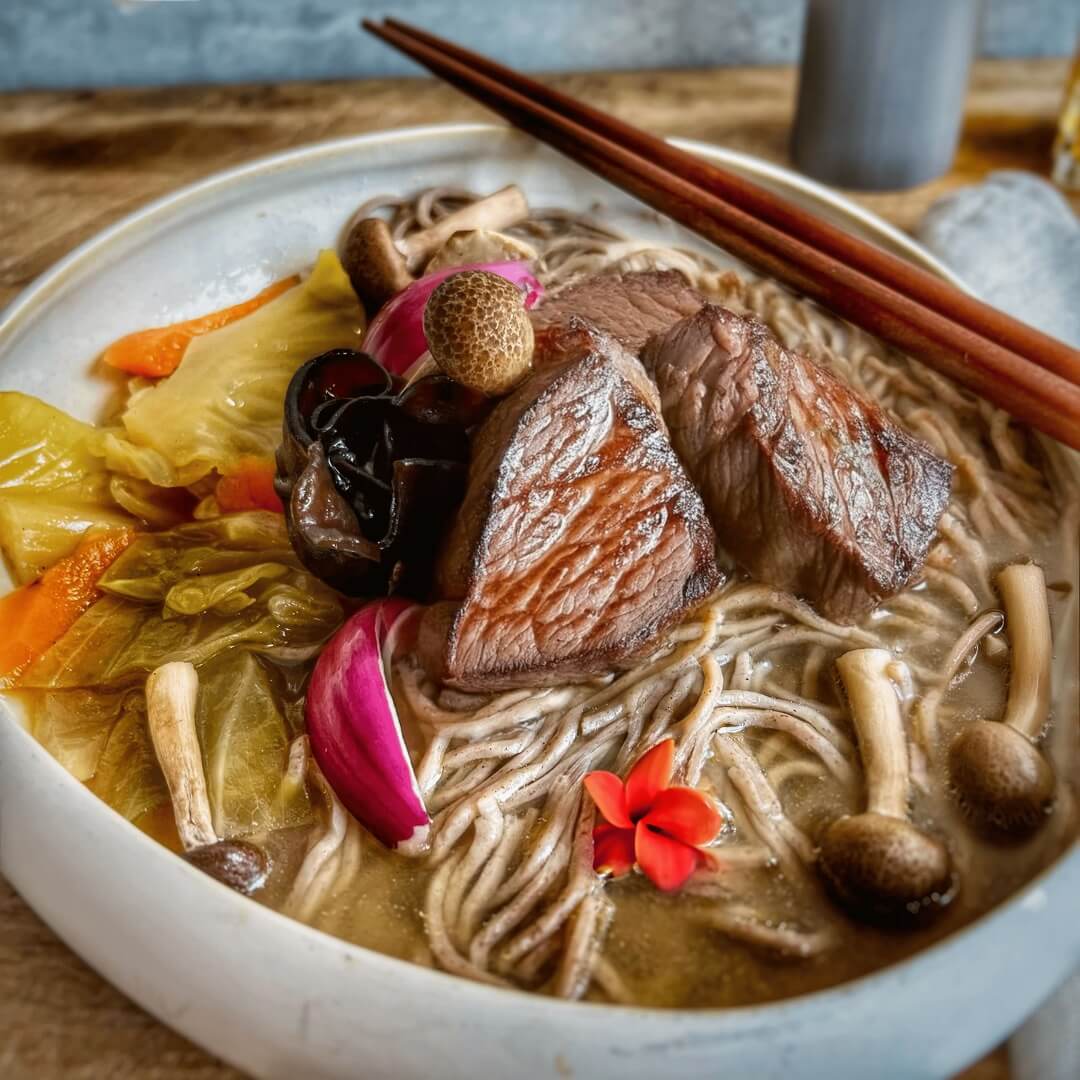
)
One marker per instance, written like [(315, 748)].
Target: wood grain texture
[(72, 163)]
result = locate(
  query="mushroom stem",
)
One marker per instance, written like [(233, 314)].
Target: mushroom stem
[(1002, 781), (1027, 621), (879, 727), (878, 863), (170, 708), (501, 209), (470, 247), (380, 266)]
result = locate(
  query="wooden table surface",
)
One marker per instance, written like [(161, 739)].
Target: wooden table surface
[(72, 163)]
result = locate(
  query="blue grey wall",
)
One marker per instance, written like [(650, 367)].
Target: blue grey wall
[(80, 43)]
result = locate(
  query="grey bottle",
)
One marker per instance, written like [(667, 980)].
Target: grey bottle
[(881, 89)]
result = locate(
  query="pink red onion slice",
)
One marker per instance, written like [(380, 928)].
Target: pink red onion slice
[(396, 335), (354, 729)]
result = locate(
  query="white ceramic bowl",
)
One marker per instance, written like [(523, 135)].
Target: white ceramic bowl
[(281, 1000)]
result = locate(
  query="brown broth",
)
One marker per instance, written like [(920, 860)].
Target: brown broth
[(658, 943), (663, 954), (667, 958)]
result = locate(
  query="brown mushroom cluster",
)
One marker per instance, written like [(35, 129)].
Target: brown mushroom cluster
[(371, 471), (878, 863), (379, 265)]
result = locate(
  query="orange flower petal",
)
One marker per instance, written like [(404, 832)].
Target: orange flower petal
[(613, 850), (685, 814), (649, 777), (666, 862), (608, 793)]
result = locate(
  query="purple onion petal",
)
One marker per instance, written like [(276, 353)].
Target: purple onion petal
[(355, 734)]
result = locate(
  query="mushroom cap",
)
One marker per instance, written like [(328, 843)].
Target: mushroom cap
[(1001, 780), (479, 332), (236, 863), (884, 868), (375, 267)]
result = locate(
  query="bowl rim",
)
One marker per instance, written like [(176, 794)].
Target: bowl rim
[(22, 309)]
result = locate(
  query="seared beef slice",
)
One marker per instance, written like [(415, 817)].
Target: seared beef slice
[(580, 537), (810, 486), (630, 307)]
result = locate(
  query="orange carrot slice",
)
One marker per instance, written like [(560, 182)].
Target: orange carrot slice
[(39, 614), (158, 351), (249, 487)]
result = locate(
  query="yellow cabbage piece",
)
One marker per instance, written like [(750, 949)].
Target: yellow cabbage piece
[(214, 593), (74, 725), (128, 776), (44, 449), (37, 530), (224, 401), (52, 486), (101, 737), (245, 744), (189, 594), (117, 642), (207, 552), (160, 508)]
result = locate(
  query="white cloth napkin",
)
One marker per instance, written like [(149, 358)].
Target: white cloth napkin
[(1015, 241)]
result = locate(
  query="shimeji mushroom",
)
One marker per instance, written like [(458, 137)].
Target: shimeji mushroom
[(380, 266), (480, 246), (171, 692), (478, 331), (878, 863), (1001, 780)]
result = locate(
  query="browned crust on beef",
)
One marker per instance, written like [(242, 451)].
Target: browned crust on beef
[(631, 307), (580, 538), (811, 487)]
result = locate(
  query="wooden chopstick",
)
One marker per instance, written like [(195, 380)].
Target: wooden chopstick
[(897, 273), (1009, 379)]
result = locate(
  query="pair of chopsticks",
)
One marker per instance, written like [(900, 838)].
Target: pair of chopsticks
[(1016, 367)]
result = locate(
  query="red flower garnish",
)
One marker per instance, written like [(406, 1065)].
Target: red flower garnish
[(660, 828)]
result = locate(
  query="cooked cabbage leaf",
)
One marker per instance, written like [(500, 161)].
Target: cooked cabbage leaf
[(245, 745), (189, 594), (128, 776), (118, 642), (101, 738), (161, 508), (37, 531), (44, 449), (205, 551), (74, 725), (224, 401), (223, 594), (52, 487)]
